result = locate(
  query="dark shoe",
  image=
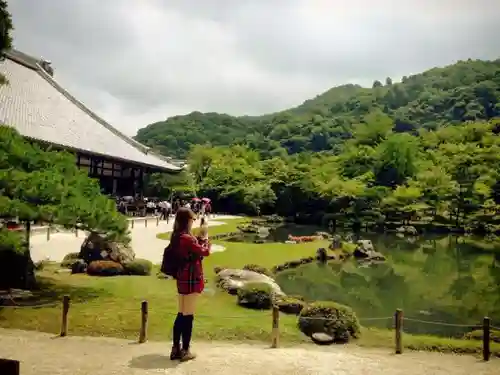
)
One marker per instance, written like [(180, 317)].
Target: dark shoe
[(186, 355), (175, 353)]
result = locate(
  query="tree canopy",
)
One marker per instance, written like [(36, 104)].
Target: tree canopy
[(448, 177), (466, 91), (38, 184), (5, 31)]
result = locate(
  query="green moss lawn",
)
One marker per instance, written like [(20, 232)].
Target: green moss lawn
[(110, 306)]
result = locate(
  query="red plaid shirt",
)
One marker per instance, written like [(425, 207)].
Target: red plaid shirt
[(190, 276)]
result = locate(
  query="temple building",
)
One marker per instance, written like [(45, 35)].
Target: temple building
[(41, 110)]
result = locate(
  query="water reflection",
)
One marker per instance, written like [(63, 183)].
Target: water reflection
[(449, 279)]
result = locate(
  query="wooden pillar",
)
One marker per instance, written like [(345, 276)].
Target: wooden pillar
[(132, 179), (141, 182), (115, 184)]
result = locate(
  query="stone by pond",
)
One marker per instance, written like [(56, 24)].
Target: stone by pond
[(445, 279)]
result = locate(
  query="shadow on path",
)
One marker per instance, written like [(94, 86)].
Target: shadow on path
[(153, 362)]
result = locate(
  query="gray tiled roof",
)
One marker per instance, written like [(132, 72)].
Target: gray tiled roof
[(39, 108)]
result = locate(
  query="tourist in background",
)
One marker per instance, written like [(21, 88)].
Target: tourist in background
[(165, 208), (208, 209), (189, 276), (150, 206)]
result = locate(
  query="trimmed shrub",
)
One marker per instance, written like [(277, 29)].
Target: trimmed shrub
[(69, 259), (79, 266), (105, 268), (255, 296), (336, 320), (141, 267), (290, 305), (478, 335), (258, 269)]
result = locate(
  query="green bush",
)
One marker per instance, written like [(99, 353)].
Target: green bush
[(141, 267), (255, 296), (69, 259), (290, 305), (15, 262), (257, 268), (105, 268), (338, 321), (478, 335)]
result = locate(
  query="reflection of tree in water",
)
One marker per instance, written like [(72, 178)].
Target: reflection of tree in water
[(436, 279)]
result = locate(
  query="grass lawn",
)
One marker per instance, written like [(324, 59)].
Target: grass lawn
[(111, 306)]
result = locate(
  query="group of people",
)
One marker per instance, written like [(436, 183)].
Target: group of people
[(164, 208)]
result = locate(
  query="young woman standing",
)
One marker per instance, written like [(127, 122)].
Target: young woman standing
[(190, 281)]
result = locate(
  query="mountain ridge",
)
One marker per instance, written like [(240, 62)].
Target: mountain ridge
[(465, 91)]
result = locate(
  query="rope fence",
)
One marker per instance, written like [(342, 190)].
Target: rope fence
[(397, 320)]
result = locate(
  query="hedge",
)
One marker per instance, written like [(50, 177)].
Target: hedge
[(105, 268), (141, 267)]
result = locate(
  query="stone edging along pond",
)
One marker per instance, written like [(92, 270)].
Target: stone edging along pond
[(299, 262)]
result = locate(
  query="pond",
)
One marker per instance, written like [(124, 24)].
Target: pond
[(450, 279)]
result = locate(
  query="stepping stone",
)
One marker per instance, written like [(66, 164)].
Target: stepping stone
[(322, 338)]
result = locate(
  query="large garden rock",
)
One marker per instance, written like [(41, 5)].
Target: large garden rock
[(365, 250), (232, 280), (96, 247)]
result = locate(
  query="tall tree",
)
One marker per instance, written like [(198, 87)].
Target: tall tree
[(5, 31), (44, 185)]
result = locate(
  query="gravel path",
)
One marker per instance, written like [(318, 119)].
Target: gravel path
[(144, 241), (44, 354)]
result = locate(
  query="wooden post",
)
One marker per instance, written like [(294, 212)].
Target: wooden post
[(143, 334), (132, 222), (157, 220), (398, 324), (9, 367), (76, 231), (275, 338), (48, 233), (64, 320), (146, 222), (486, 339)]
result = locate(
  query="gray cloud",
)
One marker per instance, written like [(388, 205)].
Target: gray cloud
[(136, 62)]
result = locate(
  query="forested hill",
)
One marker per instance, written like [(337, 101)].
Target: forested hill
[(467, 90)]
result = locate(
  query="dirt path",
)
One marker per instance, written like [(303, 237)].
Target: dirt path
[(44, 354), (144, 241)]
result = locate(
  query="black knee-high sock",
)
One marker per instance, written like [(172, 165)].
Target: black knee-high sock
[(187, 331), (178, 325)]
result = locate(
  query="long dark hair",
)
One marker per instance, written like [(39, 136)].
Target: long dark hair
[(181, 223)]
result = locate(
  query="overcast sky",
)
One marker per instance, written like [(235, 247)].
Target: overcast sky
[(139, 61)]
